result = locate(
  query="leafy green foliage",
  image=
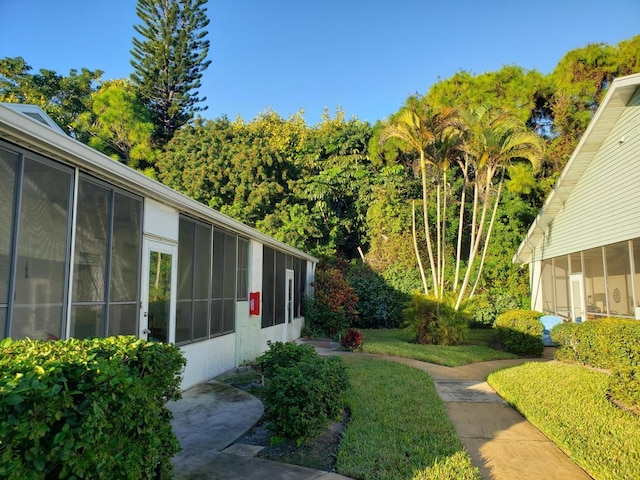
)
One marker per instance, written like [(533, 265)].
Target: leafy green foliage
[(488, 308), (283, 354), (608, 343), (520, 332), (379, 305), (569, 405), (334, 304), (301, 397), (624, 387), (399, 426), (64, 99), (87, 408), (431, 322), (119, 125)]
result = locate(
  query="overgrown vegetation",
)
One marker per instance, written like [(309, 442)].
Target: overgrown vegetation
[(87, 408), (400, 428), (569, 405), (303, 390), (397, 342), (520, 332), (329, 189)]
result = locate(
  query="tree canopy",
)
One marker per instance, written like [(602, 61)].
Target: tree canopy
[(169, 58)]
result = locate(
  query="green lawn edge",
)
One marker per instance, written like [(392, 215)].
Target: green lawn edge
[(396, 342), (569, 404), (399, 428)]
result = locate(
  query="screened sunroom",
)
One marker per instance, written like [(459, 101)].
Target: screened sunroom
[(583, 250)]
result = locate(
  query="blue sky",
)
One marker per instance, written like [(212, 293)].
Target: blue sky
[(287, 55)]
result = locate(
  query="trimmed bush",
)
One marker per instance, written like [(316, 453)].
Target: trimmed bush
[(520, 332), (430, 322), (608, 343), (624, 387), (300, 399), (87, 408), (283, 354), (333, 306)]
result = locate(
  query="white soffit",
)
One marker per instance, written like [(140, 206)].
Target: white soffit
[(605, 118)]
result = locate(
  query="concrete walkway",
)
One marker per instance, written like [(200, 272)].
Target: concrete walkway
[(208, 419), (502, 444)]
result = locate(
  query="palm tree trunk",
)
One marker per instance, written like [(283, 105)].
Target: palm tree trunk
[(474, 248), (427, 232), (438, 237), (415, 246), (460, 225)]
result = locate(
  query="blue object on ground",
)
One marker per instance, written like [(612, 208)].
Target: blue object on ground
[(548, 322)]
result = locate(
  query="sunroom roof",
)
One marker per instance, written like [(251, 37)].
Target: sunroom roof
[(35, 113), (605, 118)]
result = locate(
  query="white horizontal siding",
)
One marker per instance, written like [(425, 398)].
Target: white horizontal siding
[(604, 206)]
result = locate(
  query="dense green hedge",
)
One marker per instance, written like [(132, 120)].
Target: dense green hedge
[(605, 343), (520, 332), (609, 343), (302, 396), (87, 408)]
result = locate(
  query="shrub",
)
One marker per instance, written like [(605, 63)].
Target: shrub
[(487, 309), (87, 408), (624, 387), (520, 332), (430, 322), (352, 339), (300, 399), (379, 305), (608, 343), (334, 304), (283, 354)]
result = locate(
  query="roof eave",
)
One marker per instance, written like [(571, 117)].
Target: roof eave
[(605, 118)]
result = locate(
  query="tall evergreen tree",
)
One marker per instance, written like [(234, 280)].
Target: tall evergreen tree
[(169, 60)]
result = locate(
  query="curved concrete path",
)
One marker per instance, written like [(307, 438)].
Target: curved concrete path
[(501, 442), (208, 419)]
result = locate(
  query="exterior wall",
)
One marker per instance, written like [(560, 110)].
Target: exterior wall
[(161, 210), (248, 335), (535, 277), (160, 220), (604, 207), (207, 359)]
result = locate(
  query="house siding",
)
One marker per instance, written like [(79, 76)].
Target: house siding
[(604, 207)]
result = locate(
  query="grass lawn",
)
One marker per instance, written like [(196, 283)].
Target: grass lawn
[(568, 404), (397, 343), (399, 428)]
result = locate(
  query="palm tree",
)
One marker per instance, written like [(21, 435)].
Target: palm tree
[(494, 139), (430, 133)]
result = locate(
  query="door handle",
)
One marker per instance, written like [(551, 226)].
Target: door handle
[(146, 331)]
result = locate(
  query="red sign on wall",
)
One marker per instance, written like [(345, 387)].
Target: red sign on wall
[(254, 303)]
